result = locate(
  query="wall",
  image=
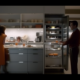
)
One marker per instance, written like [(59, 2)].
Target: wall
[(31, 33)]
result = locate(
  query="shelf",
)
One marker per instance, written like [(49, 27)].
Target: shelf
[(53, 49), (9, 22), (53, 56), (54, 34), (53, 67), (52, 43), (53, 29), (33, 22), (53, 24), (52, 39)]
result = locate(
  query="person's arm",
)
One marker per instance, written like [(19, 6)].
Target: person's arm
[(68, 41)]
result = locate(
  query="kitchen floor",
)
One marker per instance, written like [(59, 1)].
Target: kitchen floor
[(69, 66)]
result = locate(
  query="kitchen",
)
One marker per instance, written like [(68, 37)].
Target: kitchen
[(27, 29)]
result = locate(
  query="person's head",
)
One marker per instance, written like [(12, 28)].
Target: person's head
[(73, 24), (2, 30)]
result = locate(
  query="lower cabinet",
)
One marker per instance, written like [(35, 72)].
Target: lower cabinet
[(25, 61), (35, 61), (35, 67), (17, 67)]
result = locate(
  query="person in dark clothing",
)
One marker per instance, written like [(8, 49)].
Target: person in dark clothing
[(73, 42)]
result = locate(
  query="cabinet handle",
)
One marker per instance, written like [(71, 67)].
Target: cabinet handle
[(35, 62), (20, 53), (35, 53), (20, 61)]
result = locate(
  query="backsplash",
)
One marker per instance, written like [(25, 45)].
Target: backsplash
[(30, 33)]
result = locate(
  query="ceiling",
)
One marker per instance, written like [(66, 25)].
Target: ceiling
[(72, 7)]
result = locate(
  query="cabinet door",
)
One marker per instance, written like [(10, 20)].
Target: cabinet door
[(65, 47), (35, 56), (35, 50), (54, 9), (17, 67), (18, 57), (35, 67), (19, 50)]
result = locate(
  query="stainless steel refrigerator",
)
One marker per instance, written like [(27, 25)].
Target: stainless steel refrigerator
[(56, 28)]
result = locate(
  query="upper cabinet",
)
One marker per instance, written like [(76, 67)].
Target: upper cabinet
[(54, 9), (27, 20), (21, 9), (33, 9)]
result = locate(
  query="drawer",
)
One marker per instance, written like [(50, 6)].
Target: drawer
[(17, 50), (35, 51), (53, 51), (16, 67), (35, 56), (35, 67), (18, 57)]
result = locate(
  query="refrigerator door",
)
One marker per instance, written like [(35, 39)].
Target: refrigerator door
[(65, 48)]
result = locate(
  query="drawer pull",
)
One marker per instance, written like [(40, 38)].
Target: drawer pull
[(35, 53), (35, 62), (20, 61), (20, 53)]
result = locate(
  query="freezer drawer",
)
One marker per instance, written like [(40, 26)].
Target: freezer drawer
[(35, 51), (53, 61), (47, 52), (35, 67), (18, 57), (17, 50), (17, 67), (35, 56)]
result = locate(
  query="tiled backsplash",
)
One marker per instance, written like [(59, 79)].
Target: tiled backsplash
[(30, 33)]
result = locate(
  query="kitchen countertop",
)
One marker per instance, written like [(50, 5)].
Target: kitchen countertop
[(21, 46), (26, 42)]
